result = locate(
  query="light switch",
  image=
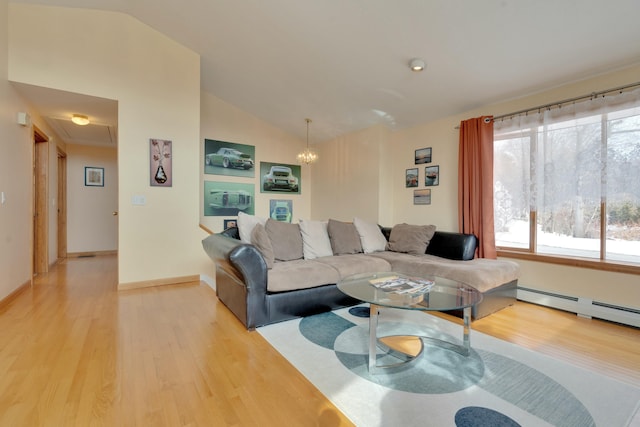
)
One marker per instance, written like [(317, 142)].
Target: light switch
[(138, 200), (2, 198)]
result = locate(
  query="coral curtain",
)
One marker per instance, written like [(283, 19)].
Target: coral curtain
[(475, 183)]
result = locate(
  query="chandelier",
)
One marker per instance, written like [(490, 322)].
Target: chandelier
[(307, 156)]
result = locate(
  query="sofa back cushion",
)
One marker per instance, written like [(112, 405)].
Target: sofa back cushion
[(286, 240), (260, 239), (344, 237), (371, 236), (411, 239), (315, 239), (246, 223)]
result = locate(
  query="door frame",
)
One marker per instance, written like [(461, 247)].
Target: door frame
[(40, 211)]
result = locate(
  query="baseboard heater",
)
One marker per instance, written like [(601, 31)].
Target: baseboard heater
[(584, 307)]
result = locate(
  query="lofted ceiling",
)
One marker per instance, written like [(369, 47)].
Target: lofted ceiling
[(344, 63)]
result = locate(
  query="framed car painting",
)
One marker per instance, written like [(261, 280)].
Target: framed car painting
[(228, 198), (229, 158), (279, 178)]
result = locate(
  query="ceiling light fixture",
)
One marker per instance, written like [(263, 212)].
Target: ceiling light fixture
[(307, 156), (80, 119), (417, 64)]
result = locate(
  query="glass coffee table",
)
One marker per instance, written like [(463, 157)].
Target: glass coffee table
[(400, 291)]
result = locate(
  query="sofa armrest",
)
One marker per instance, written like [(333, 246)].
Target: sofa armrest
[(455, 246), (238, 259)]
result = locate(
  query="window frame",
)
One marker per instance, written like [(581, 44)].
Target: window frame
[(531, 254)]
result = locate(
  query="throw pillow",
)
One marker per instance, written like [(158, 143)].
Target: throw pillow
[(260, 239), (286, 240), (246, 223), (344, 237), (371, 236), (412, 239), (315, 239)]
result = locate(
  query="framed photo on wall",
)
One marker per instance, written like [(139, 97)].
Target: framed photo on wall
[(422, 197), (229, 158), (228, 198), (228, 223), (431, 175), (423, 155), (280, 178), (93, 177), (160, 163), (281, 210), (411, 178)]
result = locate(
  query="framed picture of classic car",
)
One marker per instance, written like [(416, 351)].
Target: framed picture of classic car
[(228, 198), (411, 178), (279, 178), (281, 210), (229, 158)]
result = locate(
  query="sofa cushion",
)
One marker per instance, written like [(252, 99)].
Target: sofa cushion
[(246, 223), (286, 240), (481, 273), (300, 274), (371, 236), (344, 237), (411, 239), (346, 265), (260, 239), (315, 239)]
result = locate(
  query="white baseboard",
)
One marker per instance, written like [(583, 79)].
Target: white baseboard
[(583, 307), (209, 281)]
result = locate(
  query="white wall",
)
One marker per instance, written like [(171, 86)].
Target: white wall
[(225, 122), (353, 174), (157, 85), (351, 177), (15, 178), (91, 225)]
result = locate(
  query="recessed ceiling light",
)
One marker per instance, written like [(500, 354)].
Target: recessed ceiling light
[(80, 119), (417, 64)]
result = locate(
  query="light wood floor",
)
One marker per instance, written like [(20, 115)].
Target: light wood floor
[(75, 352)]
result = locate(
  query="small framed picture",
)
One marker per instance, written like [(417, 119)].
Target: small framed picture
[(422, 197), (411, 177), (93, 177), (281, 210), (423, 155), (160, 163), (431, 175), (228, 223)]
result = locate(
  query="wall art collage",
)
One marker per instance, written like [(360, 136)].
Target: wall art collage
[(422, 196), (224, 198)]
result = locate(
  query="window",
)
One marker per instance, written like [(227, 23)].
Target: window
[(567, 180)]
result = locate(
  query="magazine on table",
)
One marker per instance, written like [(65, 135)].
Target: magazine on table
[(403, 285)]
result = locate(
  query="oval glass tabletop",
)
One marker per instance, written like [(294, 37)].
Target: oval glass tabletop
[(391, 289)]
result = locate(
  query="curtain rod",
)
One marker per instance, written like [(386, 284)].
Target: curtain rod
[(592, 95)]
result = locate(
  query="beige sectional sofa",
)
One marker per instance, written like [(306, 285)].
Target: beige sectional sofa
[(268, 271)]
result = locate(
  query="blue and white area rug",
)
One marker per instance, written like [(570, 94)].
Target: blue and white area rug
[(499, 384)]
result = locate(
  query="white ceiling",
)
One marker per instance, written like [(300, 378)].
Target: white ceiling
[(344, 63)]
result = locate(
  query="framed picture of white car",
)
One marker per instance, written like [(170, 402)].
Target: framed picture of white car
[(281, 210), (279, 178), (228, 198), (229, 158)]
